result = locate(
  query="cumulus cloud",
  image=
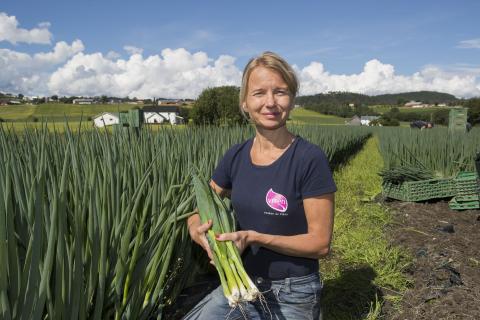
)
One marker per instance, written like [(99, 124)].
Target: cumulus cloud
[(9, 31), (133, 50), (173, 73), (178, 73), (113, 55), (379, 78), (61, 52), (470, 44), (29, 74)]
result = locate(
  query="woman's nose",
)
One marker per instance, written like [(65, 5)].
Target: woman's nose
[(270, 99)]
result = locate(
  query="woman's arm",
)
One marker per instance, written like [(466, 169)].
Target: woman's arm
[(314, 244)]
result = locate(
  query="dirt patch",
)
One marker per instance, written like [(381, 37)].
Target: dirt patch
[(445, 273)]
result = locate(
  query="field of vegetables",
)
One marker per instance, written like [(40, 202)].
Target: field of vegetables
[(93, 223)]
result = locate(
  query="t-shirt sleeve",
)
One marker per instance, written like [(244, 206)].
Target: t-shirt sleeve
[(317, 177), (222, 173)]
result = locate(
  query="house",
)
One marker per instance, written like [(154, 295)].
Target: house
[(365, 120), (157, 115), (106, 119), (413, 104), (136, 102), (83, 101), (355, 121)]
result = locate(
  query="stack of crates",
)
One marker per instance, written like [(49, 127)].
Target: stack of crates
[(457, 120), (419, 190), (467, 192)]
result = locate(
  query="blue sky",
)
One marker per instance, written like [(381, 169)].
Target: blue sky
[(438, 39)]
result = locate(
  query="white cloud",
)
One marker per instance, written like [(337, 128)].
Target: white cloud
[(9, 31), (44, 25), (379, 78), (133, 50), (178, 73), (113, 55), (29, 74), (173, 73), (61, 52), (470, 44)]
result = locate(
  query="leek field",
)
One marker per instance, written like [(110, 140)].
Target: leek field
[(92, 223)]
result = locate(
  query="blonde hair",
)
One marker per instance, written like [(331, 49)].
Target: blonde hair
[(272, 61)]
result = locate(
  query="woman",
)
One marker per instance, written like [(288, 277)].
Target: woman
[(283, 195)]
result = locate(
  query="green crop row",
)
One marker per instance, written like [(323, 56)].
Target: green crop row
[(92, 224), (437, 150)]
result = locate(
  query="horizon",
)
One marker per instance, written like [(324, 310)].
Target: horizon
[(189, 99), (149, 49)]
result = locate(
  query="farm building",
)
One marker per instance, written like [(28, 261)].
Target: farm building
[(157, 115), (417, 104), (83, 101), (355, 121), (106, 119)]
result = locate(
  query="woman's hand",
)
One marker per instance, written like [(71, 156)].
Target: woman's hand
[(198, 231), (241, 239)]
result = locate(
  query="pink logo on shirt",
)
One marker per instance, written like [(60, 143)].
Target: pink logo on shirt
[(276, 201)]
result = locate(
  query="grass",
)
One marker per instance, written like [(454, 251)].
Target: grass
[(383, 109), (364, 270), (73, 125), (58, 111), (304, 116), (19, 117)]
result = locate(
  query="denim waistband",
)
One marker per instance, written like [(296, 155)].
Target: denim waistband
[(260, 281)]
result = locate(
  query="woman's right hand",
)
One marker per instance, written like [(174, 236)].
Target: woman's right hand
[(198, 232)]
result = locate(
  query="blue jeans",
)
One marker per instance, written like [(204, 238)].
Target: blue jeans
[(295, 298)]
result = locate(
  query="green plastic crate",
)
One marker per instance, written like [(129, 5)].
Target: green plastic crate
[(467, 198), (457, 120), (419, 190), (457, 203), (466, 183)]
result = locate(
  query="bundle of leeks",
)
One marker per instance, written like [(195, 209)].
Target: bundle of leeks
[(237, 285)]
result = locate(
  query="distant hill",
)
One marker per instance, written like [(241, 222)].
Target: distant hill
[(344, 98), (431, 97)]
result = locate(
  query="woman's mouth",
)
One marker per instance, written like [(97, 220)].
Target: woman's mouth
[(271, 115)]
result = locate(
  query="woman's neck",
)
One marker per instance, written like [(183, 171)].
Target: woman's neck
[(269, 140)]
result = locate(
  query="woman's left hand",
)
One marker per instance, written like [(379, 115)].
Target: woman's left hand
[(241, 239)]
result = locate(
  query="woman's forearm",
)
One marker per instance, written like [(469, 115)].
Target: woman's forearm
[(302, 245)]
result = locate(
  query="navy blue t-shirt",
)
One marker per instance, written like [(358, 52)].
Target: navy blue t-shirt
[(269, 199)]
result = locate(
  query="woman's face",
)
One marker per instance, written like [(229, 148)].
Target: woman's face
[(268, 101)]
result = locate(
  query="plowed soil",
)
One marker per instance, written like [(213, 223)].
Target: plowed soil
[(445, 273)]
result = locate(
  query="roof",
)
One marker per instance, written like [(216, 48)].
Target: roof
[(355, 121), (115, 114), (160, 109), (369, 118)]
